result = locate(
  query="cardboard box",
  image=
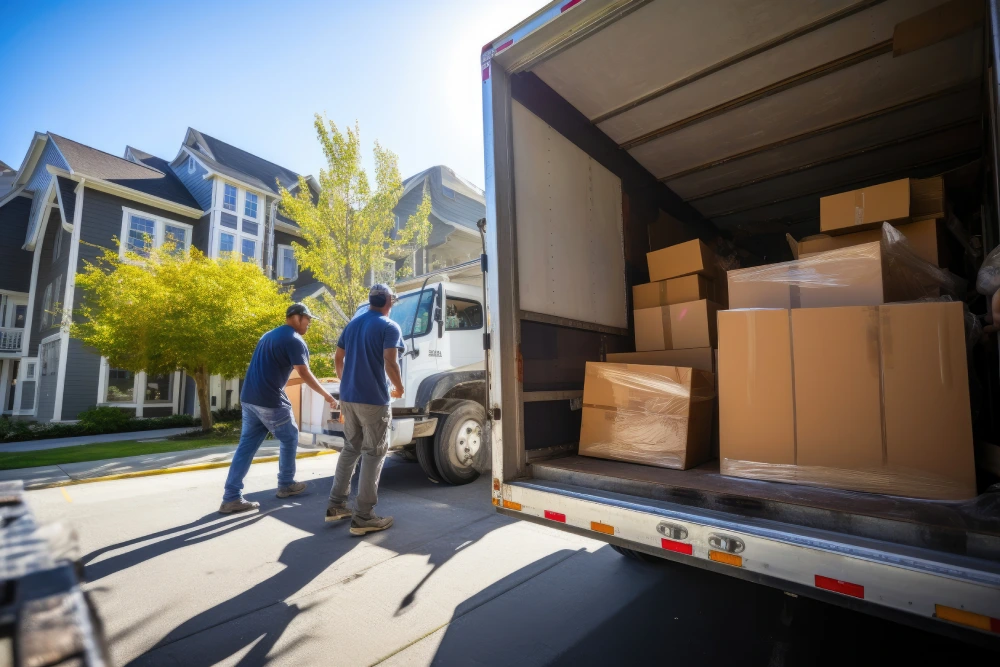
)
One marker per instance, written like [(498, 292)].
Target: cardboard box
[(676, 327), (675, 290), (681, 260), (867, 208), (699, 358), (869, 398), (851, 276), (654, 415), (922, 236)]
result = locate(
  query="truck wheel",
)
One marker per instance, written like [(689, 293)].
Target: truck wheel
[(457, 442), (636, 555), (425, 457)]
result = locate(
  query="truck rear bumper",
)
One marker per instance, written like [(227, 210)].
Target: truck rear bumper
[(955, 594)]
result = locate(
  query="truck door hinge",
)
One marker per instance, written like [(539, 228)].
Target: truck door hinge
[(495, 414), (484, 262), (486, 341)]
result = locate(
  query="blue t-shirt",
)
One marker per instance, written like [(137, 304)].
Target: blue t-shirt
[(276, 352), (364, 339)]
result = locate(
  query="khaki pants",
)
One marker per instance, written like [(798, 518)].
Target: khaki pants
[(366, 437)]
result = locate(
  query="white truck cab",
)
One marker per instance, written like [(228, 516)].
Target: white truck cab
[(440, 419)]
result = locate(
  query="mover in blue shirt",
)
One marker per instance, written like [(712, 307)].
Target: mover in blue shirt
[(266, 408), (367, 360)]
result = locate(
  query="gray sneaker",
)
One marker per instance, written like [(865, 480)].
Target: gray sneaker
[(361, 526), (338, 512), (293, 489), (238, 505)]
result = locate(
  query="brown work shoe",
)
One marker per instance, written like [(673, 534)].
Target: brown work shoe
[(361, 526), (338, 512), (293, 489), (238, 505)]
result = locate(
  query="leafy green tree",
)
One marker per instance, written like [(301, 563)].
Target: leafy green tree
[(350, 230), (171, 310)]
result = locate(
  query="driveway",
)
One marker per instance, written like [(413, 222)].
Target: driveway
[(452, 583)]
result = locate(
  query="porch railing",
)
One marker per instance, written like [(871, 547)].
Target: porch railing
[(10, 339)]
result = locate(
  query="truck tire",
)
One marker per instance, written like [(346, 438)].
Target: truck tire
[(425, 457), (457, 441), (636, 555)]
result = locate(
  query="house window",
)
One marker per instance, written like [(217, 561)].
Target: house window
[(159, 388), (250, 205), (191, 165), (29, 370), (121, 386), (57, 245), (49, 356), (288, 268), (447, 192), (45, 321), (226, 243), (20, 313), (249, 250), (229, 197), (141, 233)]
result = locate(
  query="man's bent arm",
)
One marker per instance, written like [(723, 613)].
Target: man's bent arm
[(392, 368), (338, 361), (311, 380)]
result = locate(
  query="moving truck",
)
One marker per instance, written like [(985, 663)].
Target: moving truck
[(616, 127)]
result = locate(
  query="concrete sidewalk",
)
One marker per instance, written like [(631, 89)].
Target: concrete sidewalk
[(55, 443), (35, 478)]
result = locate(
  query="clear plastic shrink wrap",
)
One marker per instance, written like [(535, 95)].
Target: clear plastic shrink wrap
[(655, 415)]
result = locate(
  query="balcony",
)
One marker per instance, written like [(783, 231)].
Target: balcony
[(10, 340)]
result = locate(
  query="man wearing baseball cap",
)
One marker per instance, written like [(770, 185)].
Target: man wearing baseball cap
[(367, 360), (266, 408)]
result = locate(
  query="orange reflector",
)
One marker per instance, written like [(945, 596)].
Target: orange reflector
[(602, 528), (496, 484), (728, 559), (967, 618), (511, 505), (496, 501)]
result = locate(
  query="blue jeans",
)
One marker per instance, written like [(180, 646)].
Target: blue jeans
[(257, 423)]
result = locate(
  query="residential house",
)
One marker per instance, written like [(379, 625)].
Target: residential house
[(67, 201), (6, 178), (456, 207)]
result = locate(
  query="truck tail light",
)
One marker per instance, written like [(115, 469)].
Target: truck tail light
[(555, 516), (725, 558), (842, 587), (677, 547), (968, 618)]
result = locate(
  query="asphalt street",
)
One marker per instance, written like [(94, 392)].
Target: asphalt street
[(452, 583)]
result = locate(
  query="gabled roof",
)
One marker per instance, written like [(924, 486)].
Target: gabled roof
[(149, 180), (454, 201), (238, 163), (4, 168)]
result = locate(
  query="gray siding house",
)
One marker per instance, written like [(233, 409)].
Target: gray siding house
[(65, 203)]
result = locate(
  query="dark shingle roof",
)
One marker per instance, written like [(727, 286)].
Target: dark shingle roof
[(139, 177), (236, 162)]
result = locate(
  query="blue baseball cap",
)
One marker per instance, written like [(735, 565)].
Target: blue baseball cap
[(380, 294)]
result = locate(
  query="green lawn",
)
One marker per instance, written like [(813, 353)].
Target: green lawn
[(106, 450)]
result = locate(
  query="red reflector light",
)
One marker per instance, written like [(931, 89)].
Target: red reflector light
[(503, 46), (487, 47), (555, 516), (674, 545), (568, 5), (486, 73), (838, 586)]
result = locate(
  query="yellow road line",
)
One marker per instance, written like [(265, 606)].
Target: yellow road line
[(167, 471), (66, 495)]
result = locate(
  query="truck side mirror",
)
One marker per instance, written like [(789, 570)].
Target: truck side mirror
[(440, 322)]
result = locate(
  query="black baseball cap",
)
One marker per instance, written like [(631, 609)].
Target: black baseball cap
[(300, 309)]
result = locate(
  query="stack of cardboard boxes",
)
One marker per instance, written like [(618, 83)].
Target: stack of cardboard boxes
[(655, 406), (823, 382)]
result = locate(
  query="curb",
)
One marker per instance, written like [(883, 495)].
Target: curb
[(169, 471)]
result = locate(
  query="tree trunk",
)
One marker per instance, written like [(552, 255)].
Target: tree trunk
[(201, 381)]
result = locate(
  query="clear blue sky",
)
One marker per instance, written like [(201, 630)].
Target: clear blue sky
[(252, 73)]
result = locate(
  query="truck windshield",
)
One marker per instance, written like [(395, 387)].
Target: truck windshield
[(416, 305)]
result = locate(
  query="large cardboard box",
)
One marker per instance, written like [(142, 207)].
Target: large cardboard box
[(676, 327), (699, 358), (851, 276), (869, 398), (922, 237), (675, 290), (655, 415), (681, 260), (866, 208)]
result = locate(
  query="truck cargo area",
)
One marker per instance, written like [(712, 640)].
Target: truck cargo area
[(724, 121)]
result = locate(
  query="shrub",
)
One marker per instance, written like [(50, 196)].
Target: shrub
[(105, 419), (14, 429), (233, 414)]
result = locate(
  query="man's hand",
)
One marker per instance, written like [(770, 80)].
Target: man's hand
[(397, 392), (330, 399)]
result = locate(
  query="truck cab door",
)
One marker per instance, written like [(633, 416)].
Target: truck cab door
[(463, 328)]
